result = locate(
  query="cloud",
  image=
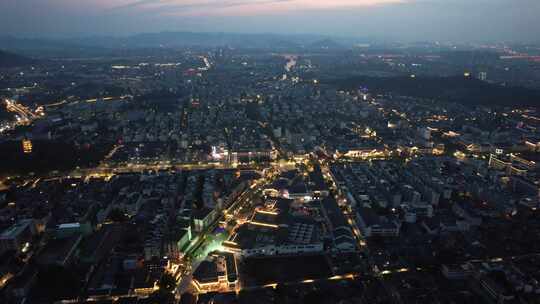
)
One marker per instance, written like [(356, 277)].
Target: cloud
[(240, 7), (143, 4), (135, 4), (458, 20)]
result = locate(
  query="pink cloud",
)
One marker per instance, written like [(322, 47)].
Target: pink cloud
[(236, 7), (299, 5)]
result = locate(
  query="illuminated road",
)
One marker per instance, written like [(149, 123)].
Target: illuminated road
[(109, 98), (24, 115), (105, 169), (350, 217), (349, 276), (192, 255), (23, 111), (137, 168)]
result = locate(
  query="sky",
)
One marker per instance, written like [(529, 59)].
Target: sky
[(401, 20)]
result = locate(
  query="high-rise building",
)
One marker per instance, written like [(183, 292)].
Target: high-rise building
[(27, 146), (482, 76)]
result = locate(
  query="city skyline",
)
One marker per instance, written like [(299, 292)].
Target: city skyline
[(269, 151)]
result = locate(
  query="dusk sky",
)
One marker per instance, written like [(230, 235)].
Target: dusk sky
[(508, 20)]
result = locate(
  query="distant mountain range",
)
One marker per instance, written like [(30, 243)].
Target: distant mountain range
[(9, 60), (97, 44), (182, 39)]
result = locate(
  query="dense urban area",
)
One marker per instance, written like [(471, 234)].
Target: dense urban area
[(320, 173)]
